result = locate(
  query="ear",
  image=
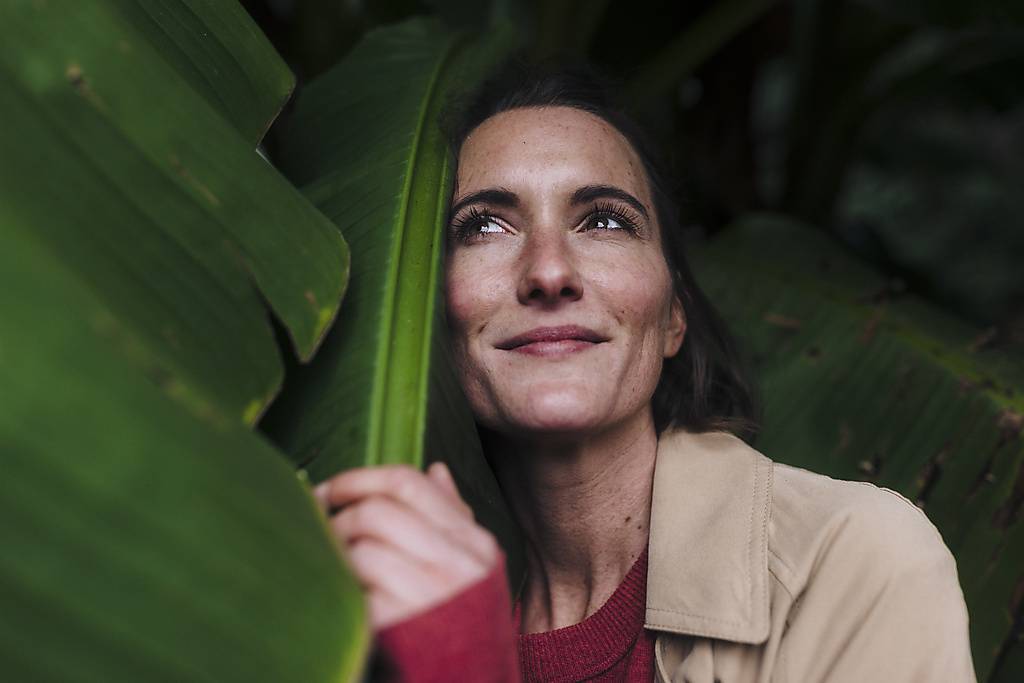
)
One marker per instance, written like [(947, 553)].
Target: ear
[(675, 330)]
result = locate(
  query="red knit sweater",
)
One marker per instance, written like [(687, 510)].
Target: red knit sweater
[(470, 637)]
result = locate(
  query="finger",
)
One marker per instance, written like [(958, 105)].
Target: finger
[(440, 473), (393, 523), (380, 567), (396, 587), (384, 610), (400, 482), (320, 495), (480, 540)]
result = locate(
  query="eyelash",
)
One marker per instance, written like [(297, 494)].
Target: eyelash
[(462, 226)]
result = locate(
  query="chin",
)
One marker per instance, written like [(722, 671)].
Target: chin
[(563, 412)]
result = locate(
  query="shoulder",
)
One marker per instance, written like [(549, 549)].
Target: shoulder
[(774, 551), (874, 529), (868, 578), (804, 518), (805, 515)]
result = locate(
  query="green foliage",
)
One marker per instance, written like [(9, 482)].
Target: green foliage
[(140, 543), (148, 534), (220, 52), (871, 83), (945, 204), (133, 181)]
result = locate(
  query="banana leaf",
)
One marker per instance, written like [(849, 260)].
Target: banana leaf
[(218, 49), (365, 146), (147, 533), (132, 179), (863, 381), (140, 543)]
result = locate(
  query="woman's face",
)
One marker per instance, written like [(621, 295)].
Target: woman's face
[(558, 296)]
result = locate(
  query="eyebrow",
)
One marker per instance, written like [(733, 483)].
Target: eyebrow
[(500, 196)]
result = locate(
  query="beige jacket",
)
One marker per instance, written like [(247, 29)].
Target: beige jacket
[(762, 572)]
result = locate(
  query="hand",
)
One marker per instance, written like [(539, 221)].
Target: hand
[(410, 539)]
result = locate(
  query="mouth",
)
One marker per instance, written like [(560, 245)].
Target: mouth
[(553, 341)]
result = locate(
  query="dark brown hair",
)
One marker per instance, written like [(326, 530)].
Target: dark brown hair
[(704, 387)]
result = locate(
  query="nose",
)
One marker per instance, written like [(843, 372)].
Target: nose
[(549, 274)]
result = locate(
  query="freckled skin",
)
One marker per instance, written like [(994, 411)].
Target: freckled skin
[(542, 269)]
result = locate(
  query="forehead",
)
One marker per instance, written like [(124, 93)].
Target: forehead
[(549, 148)]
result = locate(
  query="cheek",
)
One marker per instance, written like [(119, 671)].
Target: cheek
[(469, 300), (470, 303), (642, 307), (640, 302), (458, 307)]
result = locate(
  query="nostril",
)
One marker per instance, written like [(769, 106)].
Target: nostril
[(548, 281), (545, 293)]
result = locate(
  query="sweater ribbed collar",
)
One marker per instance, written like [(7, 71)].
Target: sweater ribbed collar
[(595, 644)]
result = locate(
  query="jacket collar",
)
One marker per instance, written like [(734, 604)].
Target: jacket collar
[(707, 572)]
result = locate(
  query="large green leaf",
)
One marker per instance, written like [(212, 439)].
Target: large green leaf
[(365, 145), (147, 534), (219, 50), (139, 185), (139, 543), (863, 382)]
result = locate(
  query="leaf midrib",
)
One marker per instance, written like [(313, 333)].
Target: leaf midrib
[(388, 402)]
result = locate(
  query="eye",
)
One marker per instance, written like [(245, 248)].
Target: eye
[(474, 224), (612, 218), (605, 222), (486, 224)]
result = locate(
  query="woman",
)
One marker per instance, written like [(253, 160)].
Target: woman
[(659, 545)]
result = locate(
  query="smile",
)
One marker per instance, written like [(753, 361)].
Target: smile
[(553, 341)]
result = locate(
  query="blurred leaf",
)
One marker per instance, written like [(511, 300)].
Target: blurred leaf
[(220, 52), (365, 145), (856, 67), (463, 13), (1011, 666), (136, 184), (696, 43), (861, 382), (952, 13), (565, 28), (141, 544), (943, 207)]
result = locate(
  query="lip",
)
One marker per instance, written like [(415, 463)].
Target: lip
[(546, 341)]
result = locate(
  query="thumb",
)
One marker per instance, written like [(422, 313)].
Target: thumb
[(441, 475)]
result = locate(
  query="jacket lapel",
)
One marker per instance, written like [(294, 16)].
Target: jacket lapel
[(707, 569)]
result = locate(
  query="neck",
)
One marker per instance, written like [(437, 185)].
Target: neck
[(584, 507)]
